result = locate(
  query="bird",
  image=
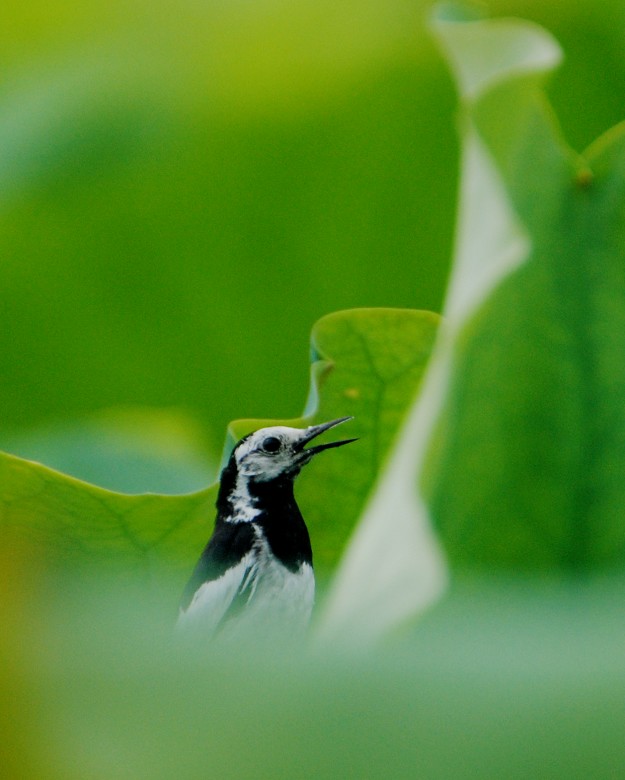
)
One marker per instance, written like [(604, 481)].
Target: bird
[(256, 572)]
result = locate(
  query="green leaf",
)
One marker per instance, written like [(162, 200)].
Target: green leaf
[(515, 434), (368, 363), (526, 462), (72, 522)]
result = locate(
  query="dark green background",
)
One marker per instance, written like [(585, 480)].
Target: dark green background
[(186, 188)]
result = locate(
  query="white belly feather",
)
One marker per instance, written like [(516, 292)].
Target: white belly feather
[(279, 600)]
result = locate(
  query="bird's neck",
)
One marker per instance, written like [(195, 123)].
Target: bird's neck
[(243, 499), (270, 506)]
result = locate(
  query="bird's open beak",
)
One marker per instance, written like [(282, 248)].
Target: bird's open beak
[(316, 430)]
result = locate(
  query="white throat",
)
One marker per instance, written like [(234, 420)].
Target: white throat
[(244, 508)]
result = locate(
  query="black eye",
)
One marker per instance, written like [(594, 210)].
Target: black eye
[(271, 444)]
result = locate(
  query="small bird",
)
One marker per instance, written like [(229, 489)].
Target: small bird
[(256, 570)]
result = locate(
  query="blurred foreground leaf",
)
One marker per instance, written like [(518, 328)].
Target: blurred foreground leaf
[(504, 681), (367, 363)]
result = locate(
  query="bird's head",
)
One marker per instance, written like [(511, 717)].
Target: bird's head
[(279, 451)]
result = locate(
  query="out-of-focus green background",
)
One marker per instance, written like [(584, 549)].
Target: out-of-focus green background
[(186, 187)]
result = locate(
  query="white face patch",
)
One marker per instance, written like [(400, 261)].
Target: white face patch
[(269, 452)]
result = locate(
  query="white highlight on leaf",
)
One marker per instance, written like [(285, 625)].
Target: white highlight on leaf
[(485, 53), (491, 241), (394, 567)]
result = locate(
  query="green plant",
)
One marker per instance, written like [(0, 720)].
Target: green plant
[(498, 482)]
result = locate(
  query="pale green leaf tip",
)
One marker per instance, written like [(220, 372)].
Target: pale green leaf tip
[(484, 52)]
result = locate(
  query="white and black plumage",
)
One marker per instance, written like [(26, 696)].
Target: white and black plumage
[(256, 570)]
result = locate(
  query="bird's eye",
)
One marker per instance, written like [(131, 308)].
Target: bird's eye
[(271, 444)]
